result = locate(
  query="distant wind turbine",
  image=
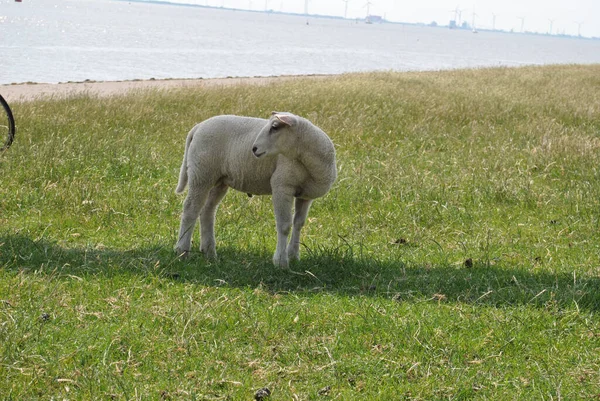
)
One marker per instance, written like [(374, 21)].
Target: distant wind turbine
[(459, 16), (493, 22), (346, 8), (368, 5), (522, 22), (551, 24), (455, 11), (579, 28), (306, 11)]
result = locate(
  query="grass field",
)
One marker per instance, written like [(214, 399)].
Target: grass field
[(457, 256)]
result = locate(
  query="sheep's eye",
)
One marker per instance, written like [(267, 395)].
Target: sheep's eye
[(275, 126)]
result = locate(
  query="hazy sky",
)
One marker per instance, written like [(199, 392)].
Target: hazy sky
[(569, 16)]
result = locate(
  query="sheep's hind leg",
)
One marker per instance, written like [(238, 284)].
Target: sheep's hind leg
[(207, 221), (192, 206), (282, 204), (301, 209)]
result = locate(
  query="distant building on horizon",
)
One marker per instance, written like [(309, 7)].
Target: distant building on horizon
[(374, 19)]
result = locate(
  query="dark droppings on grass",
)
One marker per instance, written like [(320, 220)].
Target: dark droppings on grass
[(368, 289), (405, 242), (324, 391), (262, 394), (468, 263), (173, 275)]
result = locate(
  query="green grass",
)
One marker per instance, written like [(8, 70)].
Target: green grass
[(457, 256)]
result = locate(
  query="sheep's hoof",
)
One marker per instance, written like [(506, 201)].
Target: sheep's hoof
[(210, 256), (280, 262), (182, 254), (209, 253)]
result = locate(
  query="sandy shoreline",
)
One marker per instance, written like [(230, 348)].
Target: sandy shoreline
[(29, 92)]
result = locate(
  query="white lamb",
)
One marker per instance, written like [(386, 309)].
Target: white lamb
[(286, 156)]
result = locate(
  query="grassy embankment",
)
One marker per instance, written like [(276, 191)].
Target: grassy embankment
[(457, 256)]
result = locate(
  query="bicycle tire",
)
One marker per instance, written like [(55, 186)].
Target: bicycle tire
[(11, 125)]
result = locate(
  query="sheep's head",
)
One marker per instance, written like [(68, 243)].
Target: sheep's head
[(278, 135)]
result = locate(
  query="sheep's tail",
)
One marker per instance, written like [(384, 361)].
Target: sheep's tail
[(183, 172)]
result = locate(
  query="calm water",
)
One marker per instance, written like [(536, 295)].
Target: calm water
[(75, 40)]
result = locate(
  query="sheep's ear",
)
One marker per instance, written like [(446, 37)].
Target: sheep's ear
[(286, 119)]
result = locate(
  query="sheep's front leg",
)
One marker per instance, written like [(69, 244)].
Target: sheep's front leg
[(192, 206), (282, 205), (300, 213), (207, 221)]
